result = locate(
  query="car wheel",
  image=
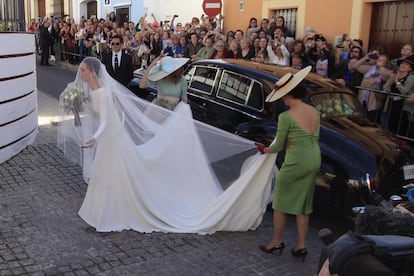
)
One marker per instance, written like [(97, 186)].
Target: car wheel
[(332, 197)]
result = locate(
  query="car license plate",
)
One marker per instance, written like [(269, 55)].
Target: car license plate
[(408, 172)]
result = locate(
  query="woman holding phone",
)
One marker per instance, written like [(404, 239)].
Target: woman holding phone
[(375, 75)]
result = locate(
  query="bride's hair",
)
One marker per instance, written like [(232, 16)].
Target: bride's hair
[(93, 64)]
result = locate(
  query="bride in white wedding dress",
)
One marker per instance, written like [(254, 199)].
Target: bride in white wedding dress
[(151, 169)]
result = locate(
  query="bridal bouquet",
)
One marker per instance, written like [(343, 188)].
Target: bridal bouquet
[(73, 98), (333, 107)]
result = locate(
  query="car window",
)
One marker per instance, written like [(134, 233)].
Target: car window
[(201, 78), (335, 104), (256, 97), (240, 89)]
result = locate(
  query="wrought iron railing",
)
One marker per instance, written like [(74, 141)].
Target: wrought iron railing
[(12, 25), (404, 125)]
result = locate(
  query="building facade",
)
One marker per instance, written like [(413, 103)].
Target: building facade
[(376, 22), (125, 10), (12, 15)]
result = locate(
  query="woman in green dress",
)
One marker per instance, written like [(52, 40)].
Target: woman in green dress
[(298, 133)]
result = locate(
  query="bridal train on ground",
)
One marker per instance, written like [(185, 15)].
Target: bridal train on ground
[(156, 170)]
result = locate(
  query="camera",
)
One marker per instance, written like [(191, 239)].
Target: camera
[(373, 56)]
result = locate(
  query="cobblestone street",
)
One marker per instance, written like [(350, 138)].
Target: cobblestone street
[(41, 233)]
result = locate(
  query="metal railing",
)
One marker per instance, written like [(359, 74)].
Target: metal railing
[(396, 113), (74, 53), (12, 25)]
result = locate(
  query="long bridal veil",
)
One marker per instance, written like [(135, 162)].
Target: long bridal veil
[(159, 170)]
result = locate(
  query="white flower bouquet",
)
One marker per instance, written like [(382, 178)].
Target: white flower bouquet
[(72, 99), (333, 107)]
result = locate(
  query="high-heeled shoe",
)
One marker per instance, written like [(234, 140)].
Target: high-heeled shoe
[(279, 247), (299, 253)]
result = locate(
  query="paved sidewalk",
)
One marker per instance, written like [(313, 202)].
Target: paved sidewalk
[(41, 233)]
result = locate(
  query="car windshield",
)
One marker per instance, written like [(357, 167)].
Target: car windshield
[(336, 104)]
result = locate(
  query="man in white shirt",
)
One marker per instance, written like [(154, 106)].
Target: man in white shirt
[(117, 63)]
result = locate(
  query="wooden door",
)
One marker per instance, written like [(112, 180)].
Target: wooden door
[(122, 14), (41, 8), (57, 8), (92, 9), (392, 26)]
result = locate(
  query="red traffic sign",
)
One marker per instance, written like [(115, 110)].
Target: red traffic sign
[(212, 7)]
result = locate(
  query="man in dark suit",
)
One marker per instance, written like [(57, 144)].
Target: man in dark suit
[(45, 41), (118, 64)]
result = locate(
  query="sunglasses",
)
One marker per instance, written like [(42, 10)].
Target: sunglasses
[(116, 43)]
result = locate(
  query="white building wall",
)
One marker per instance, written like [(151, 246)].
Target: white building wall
[(136, 8), (165, 9), (162, 9)]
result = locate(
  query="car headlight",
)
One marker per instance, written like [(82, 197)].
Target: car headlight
[(368, 182), (355, 183)]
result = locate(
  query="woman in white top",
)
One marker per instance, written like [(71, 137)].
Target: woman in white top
[(278, 53)]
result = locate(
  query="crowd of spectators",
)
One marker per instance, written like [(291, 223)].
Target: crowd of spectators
[(265, 41)]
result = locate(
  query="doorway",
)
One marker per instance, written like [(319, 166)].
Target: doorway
[(392, 26), (92, 9), (122, 13), (41, 8)]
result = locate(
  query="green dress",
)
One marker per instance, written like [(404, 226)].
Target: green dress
[(295, 184)]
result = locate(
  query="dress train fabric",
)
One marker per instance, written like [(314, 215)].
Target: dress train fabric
[(184, 198), (167, 174)]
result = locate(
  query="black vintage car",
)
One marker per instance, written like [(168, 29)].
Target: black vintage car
[(357, 155)]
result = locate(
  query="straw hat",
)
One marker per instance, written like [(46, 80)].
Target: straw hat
[(166, 66), (286, 83), (409, 60), (320, 37)]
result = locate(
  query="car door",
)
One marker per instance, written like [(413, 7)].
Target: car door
[(202, 81), (238, 99), (223, 98)]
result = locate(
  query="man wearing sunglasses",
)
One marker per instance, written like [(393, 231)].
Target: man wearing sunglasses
[(117, 63)]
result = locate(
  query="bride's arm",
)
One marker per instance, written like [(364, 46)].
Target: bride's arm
[(103, 118), (103, 114)]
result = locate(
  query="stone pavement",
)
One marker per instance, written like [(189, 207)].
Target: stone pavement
[(41, 233)]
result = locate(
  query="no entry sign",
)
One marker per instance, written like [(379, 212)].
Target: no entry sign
[(212, 7)]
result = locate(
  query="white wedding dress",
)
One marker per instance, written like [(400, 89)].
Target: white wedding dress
[(156, 170)]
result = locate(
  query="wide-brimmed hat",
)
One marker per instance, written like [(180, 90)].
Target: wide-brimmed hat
[(320, 37), (355, 46), (166, 66), (409, 59), (286, 83)]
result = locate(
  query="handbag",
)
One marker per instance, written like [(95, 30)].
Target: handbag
[(142, 50), (90, 43), (392, 250)]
